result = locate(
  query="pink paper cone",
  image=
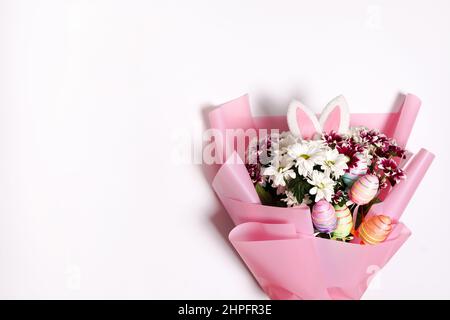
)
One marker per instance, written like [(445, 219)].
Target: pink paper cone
[(233, 182), (237, 193), (288, 265), (278, 245), (234, 114), (406, 119)]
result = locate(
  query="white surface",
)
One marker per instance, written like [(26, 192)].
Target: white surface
[(97, 99)]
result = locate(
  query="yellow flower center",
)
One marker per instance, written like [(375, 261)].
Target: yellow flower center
[(304, 156)]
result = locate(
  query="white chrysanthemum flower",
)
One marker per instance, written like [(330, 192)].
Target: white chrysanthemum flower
[(290, 199), (280, 171), (252, 151), (323, 186), (306, 155), (287, 139), (263, 149), (334, 163), (307, 199), (319, 144)]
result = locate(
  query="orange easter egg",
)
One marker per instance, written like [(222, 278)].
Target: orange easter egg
[(375, 230)]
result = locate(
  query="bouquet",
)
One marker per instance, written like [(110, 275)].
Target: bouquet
[(316, 200), (288, 170)]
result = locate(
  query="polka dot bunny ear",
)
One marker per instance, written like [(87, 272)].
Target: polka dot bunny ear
[(304, 124)]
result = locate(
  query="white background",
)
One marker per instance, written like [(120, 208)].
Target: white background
[(101, 100)]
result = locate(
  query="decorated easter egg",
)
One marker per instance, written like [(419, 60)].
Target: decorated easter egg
[(324, 216), (375, 230), (344, 221), (349, 178), (364, 189), (355, 172)]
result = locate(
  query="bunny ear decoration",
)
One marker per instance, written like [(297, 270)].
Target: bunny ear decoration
[(335, 116), (302, 122)]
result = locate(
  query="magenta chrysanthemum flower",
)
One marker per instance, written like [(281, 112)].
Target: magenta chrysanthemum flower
[(373, 137), (254, 171), (386, 165), (350, 149), (396, 176), (390, 170), (340, 197), (332, 138)]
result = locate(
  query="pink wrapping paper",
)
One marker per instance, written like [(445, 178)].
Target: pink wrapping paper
[(289, 265), (398, 198), (237, 193), (278, 245)]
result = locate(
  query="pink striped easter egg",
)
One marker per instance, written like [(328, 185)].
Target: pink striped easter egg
[(324, 216), (364, 189)]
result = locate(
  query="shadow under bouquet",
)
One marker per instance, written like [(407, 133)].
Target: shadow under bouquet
[(316, 200)]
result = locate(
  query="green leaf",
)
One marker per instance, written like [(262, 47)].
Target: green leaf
[(363, 210), (264, 195), (299, 187)]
